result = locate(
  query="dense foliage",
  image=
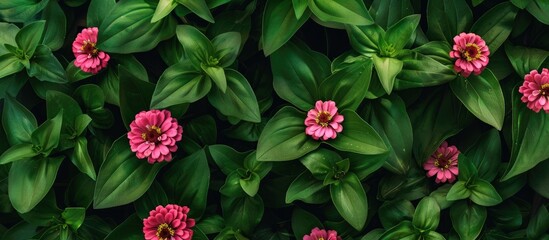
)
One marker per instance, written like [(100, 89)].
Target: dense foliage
[(276, 119)]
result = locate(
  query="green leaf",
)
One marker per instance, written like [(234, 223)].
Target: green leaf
[(539, 9), (495, 25), (21, 10), (303, 221), (128, 28), (122, 178), (388, 12), (162, 10), (399, 34), (320, 162), (226, 158), (538, 179), (389, 118), (56, 26), (9, 31), (483, 96), (467, 171), (46, 137), (250, 185), (211, 224), (364, 165), (98, 10), (303, 187), (232, 186), (46, 67), (529, 134), (506, 215), (404, 230), (29, 37), (18, 152), (130, 229), (45, 213), (199, 7), (217, 75), (422, 70), (387, 69), (74, 217), (238, 101), (227, 46), (365, 39), (197, 46), (150, 200), (391, 213), (297, 72), (539, 223), (485, 154), (27, 188), (80, 191), (279, 24), (191, 188), (299, 6), (284, 138), (467, 219), (10, 64), (346, 86), (75, 74), (352, 12), (81, 158), (427, 214), (350, 200), (484, 194), (242, 213), (525, 59), (179, 84), (253, 165), (357, 136), (134, 95), (446, 19), (458, 191)]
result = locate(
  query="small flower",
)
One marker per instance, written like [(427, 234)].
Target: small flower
[(443, 163), (323, 121), (317, 234), (535, 90), (168, 223), (471, 53), (153, 135), (88, 57)]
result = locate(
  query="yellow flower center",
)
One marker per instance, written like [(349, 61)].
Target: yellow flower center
[(152, 133), (321, 238), (164, 232), (323, 118), (441, 162), (89, 48), (471, 52), (544, 89)]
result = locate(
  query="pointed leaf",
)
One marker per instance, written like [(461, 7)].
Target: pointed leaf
[(18, 121), (279, 24), (352, 12), (217, 74), (227, 46), (467, 219), (495, 25), (46, 67), (350, 200), (303, 187), (9, 64), (446, 19), (387, 69), (196, 45), (47, 136), (199, 7), (484, 194), (29, 37), (81, 158), (427, 214), (18, 152), (162, 10)]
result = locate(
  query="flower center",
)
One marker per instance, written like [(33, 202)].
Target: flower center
[(471, 52), (164, 232), (544, 89), (89, 48), (152, 134), (323, 118), (321, 238), (441, 162)]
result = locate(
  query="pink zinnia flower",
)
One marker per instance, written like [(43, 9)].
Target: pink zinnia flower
[(443, 163), (168, 223), (88, 57), (318, 234), (535, 90), (471, 53), (323, 121), (153, 135)]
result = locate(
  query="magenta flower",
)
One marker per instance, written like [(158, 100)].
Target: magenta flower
[(153, 135), (535, 90), (443, 163), (88, 57), (317, 234), (168, 223), (471, 53), (323, 121)]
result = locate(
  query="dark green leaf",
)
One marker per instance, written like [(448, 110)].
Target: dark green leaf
[(350, 200), (81, 158), (122, 178), (179, 84), (45, 213), (467, 219), (130, 229), (427, 214), (74, 217), (279, 24), (495, 25), (297, 72), (458, 191), (403, 231), (238, 101), (12, 84), (211, 224), (242, 213), (394, 212), (46, 136), (154, 197), (539, 9), (29, 37), (388, 12), (303, 222), (485, 155), (320, 162), (128, 28), (483, 96), (197, 47), (199, 7), (525, 59), (358, 136), (98, 10), (135, 95), (446, 19), (303, 187), (27, 188), (284, 138), (421, 70), (79, 192), (227, 46), (21, 10), (399, 34), (539, 223), (538, 179), (348, 12), (45, 66), (226, 158), (56, 26), (365, 39), (484, 194)]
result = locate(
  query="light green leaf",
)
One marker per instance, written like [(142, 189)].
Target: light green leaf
[(18, 152), (351, 12), (29, 37), (387, 69), (81, 158), (350, 200), (162, 10)]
